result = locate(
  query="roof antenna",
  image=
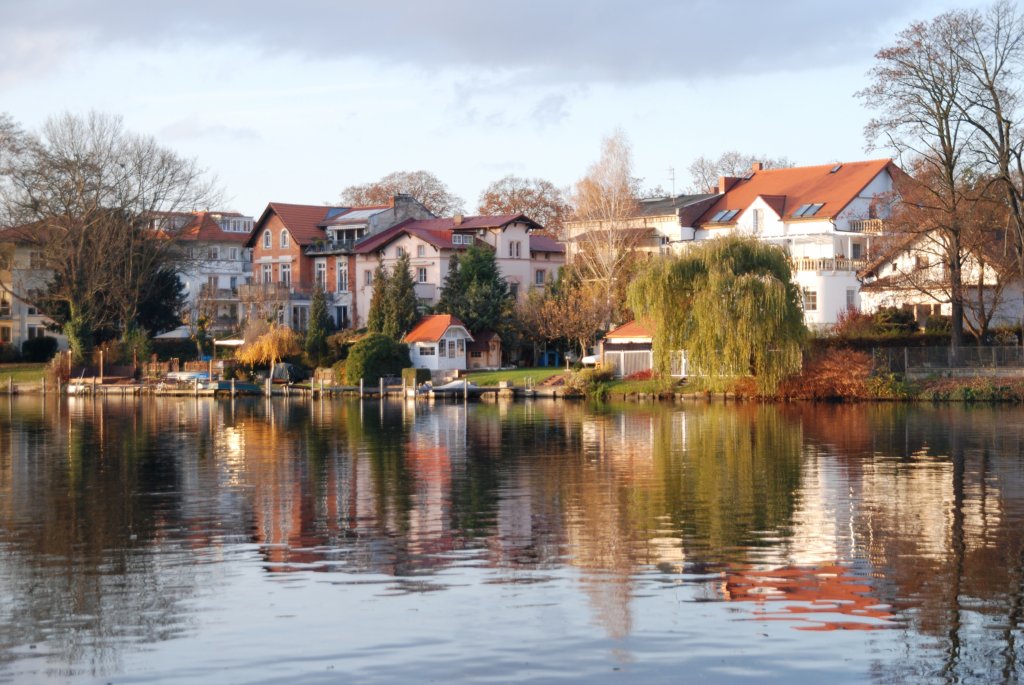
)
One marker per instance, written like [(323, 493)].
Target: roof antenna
[(672, 175)]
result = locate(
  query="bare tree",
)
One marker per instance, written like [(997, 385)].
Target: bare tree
[(91, 200), (427, 188), (916, 87), (606, 231), (538, 199), (704, 171)]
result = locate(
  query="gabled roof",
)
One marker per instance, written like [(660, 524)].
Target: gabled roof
[(633, 329), (432, 328), (661, 206), (832, 185), (204, 227), (302, 221), (450, 223)]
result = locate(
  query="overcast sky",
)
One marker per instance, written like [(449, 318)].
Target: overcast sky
[(293, 101)]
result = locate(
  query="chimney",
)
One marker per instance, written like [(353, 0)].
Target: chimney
[(756, 166), (725, 183), (457, 220)]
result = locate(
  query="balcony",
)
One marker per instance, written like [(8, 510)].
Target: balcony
[(273, 291), (867, 226), (230, 294), (827, 264), (325, 247), (425, 291)]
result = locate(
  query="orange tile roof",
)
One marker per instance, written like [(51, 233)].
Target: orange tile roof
[(432, 328), (633, 329), (204, 227), (785, 190)]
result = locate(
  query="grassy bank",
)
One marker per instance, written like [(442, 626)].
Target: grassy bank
[(519, 377), (21, 373)]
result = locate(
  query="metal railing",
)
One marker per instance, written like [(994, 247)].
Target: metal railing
[(329, 247), (279, 291), (925, 359)]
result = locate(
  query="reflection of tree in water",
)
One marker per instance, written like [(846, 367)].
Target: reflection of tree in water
[(86, 566)]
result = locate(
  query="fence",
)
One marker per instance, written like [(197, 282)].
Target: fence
[(929, 360), (627, 363)]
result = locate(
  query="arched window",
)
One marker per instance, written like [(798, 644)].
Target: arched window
[(284, 238), (266, 239)]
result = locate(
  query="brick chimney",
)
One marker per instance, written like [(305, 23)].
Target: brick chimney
[(756, 166), (457, 220), (725, 183)]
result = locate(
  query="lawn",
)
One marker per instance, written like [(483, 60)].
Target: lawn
[(514, 376), (22, 373)]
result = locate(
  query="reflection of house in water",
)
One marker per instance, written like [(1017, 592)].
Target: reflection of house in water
[(436, 445)]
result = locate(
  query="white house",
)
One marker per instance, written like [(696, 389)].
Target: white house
[(526, 260), (20, 273), (438, 342)]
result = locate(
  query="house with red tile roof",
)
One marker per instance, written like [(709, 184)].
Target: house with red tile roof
[(438, 342), (526, 259), (296, 248), (826, 217)]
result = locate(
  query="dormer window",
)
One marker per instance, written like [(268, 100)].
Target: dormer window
[(266, 240), (724, 216), (806, 210)]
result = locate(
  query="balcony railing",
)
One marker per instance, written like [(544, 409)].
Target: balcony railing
[(828, 264), (867, 226), (329, 247)]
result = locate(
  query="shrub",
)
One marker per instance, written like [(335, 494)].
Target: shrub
[(374, 357), (853, 323), (412, 377), (173, 348), (938, 324), (645, 375), (894, 321), (8, 353), (591, 382), (338, 372), (39, 349), (339, 345), (830, 375)]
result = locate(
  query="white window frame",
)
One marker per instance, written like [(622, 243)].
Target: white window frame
[(268, 239), (320, 275), (421, 274), (421, 250), (809, 299), (267, 273), (342, 278), (284, 238), (286, 274), (539, 276)]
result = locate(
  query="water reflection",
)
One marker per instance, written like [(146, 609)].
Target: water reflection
[(122, 523)]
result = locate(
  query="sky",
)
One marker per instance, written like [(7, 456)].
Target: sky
[(294, 101)]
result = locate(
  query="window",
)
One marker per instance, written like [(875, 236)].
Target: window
[(459, 239), (476, 354), (234, 283), (806, 210), (461, 346), (421, 275), (5, 305), (538, 277), (286, 274), (342, 277), (35, 260), (757, 219), (233, 254), (515, 249), (284, 237), (856, 251), (320, 274), (921, 261), (266, 240), (513, 290), (421, 251), (399, 251), (5, 334), (426, 351), (36, 332), (31, 311), (213, 252), (442, 348), (368, 277), (851, 298), (268, 273), (724, 216), (341, 316), (810, 300)]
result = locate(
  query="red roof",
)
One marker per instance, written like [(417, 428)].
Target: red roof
[(432, 328), (204, 227), (786, 190), (300, 220), (633, 329)]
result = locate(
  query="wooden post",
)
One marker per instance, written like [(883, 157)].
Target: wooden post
[(232, 388), (465, 391), (10, 385), (211, 369), (267, 387), (58, 385), (321, 388), (380, 385), (101, 366), (360, 388)]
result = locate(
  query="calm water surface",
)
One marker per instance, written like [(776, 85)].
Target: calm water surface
[(184, 540)]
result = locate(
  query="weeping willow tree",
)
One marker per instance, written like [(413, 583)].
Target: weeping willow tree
[(731, 305)]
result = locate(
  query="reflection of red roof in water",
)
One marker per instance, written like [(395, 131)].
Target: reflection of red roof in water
[(821, 591)]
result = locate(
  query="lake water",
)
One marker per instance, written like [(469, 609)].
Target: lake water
[(287, 541)]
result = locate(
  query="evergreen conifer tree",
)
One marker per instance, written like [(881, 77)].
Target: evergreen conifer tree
[(375, 317), (319, 328), (401, 310)]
